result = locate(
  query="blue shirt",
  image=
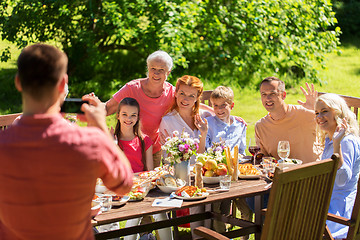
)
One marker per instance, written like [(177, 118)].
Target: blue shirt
[(234, 134), (344, 191)]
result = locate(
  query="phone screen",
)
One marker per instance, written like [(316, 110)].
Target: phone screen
[(72, 105)]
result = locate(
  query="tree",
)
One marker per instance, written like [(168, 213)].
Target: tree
[(107, 41)]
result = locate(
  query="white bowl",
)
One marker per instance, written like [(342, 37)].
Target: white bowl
[(168, 189), (211, 180)]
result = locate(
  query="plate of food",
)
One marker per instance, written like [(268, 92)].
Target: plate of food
[(139, 192), (119, 201), (248, 171), (168, 183), (288, 162), (190, 193)]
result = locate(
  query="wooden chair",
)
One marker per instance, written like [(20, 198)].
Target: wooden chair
[(7, 120), (352, 102), (205, 98), (353, 223), (298, 204)]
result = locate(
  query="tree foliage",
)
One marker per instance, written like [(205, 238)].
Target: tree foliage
[(107, 41)]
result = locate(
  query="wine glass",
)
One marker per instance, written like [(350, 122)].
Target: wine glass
[(283, 150), (253, 149)]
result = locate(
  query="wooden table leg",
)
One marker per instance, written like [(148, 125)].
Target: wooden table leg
[(259, 199)]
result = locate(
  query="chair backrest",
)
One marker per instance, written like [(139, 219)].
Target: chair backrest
[(7, 120), (299, 201), (354, 228), (205, 98), (352, 102)]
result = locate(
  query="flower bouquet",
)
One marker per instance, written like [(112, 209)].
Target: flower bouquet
[(215, 152), (180, 147)]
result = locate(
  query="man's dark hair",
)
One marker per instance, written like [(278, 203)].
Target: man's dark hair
[(40, 67), (281, 84)]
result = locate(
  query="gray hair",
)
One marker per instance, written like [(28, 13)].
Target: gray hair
[(161, 55)]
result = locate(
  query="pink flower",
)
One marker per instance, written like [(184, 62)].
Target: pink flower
[(182, 148)]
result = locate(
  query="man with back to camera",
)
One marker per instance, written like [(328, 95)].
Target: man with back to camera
[(293, 123), (49, 167)]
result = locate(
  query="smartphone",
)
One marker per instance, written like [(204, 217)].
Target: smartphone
[(72, 105)]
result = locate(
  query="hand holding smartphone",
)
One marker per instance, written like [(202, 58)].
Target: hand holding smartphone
[(73, 105)]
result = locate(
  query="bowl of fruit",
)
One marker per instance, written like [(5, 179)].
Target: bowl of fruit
[(212, 171)]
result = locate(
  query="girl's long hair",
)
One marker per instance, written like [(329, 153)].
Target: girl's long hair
[(136, 129), (190, 81), (341, 109)]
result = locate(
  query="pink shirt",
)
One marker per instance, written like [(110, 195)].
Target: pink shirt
[(151, 109), (133, 152), (48, 174), (297, 127)]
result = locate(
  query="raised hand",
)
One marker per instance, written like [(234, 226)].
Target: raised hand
[(201, 124), (92, 94), (311, 95), (340, 131), (95, 113), (337, 137)]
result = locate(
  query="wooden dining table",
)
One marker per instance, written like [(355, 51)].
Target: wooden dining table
[(239, 189)]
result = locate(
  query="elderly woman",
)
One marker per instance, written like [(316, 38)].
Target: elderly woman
[(154, 94), (338, 131)]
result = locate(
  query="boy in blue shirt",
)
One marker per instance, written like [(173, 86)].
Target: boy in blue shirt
[(223, 125), (232, 130)]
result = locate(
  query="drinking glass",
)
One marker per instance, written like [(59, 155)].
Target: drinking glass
[(268, 165), (283, 149), (225, 182), (253, 149), (105, 202)]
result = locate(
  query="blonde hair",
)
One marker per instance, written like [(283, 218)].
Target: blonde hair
[(222, 92), (341, 109), (190, 81)]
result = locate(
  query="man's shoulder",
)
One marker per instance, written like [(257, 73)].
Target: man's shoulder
[(299, 108), (262, 121), (299, 113), (91, 136)]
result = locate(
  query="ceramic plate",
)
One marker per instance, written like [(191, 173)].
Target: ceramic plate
[(293, 163), (121, 202), (249, 176), (203, 196)]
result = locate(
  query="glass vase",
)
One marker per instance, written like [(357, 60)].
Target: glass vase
[(182, 171)]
